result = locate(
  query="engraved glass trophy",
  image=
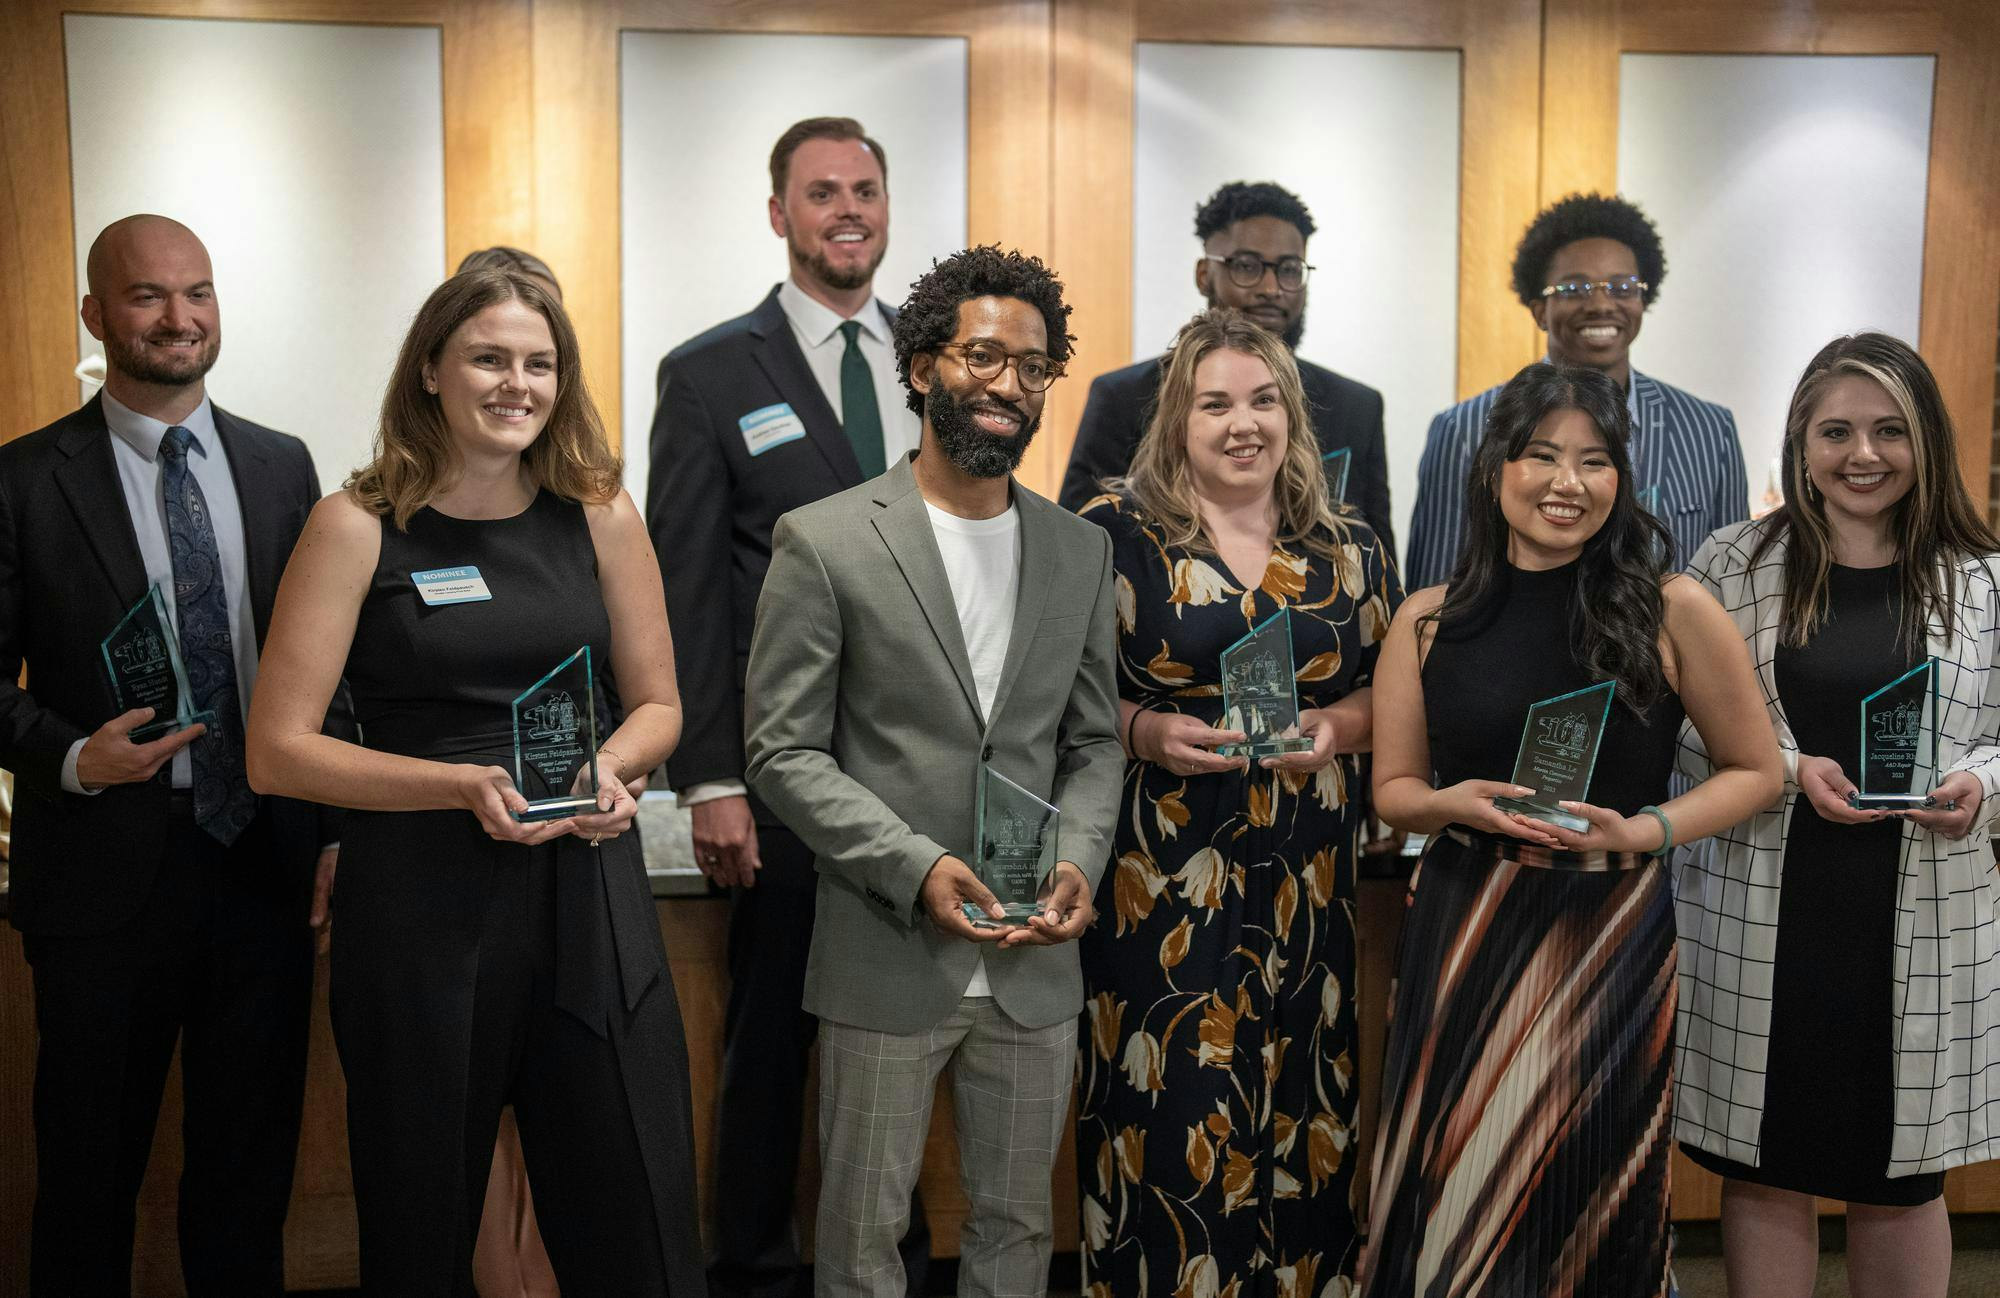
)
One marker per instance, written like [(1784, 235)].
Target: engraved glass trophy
[(1899, 744), (1014, 838), (1558, 753), (1336, 463), (143, 656), (1259, 694), (555, 736)]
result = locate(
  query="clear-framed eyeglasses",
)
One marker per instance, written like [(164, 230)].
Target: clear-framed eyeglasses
[(1623, 289), (986, 360), (1246, 270)]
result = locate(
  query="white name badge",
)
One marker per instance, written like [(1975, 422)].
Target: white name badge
[(770, 426), (450, 586)]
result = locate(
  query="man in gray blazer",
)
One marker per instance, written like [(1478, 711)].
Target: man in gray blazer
[(911, 629)]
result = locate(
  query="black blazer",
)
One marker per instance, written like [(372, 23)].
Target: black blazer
[(1344, 414), (69, 569), (711, 505)]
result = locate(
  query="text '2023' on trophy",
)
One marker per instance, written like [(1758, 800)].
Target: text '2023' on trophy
[(1558, 752), (555, 736), (1014, 849), (1899, 744), (1260, 694), (144, 658), (1335, 464)]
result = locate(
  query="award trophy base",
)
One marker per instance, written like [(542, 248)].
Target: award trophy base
[(555, 809), (154, 729), (1015, 914), (1268, 747), (1899, 802), (1556, 816)]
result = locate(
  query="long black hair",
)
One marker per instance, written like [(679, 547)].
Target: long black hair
[(1616, 608)]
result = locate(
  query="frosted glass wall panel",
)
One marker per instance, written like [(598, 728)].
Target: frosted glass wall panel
[(1369, 139), (311, 163), (1789, 191), (698, 116)]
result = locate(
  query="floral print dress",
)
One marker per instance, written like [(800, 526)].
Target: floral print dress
[(1217, 1110)]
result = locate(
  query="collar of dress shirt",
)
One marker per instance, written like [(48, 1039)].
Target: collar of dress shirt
[(143, 433), (1631, 391), (817, 322)]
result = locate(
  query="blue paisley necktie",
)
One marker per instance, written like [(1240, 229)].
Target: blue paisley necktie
[(223, 802)]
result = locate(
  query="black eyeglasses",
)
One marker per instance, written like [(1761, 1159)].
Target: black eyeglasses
[(1246, 270), (985, 361), (1623, 288)]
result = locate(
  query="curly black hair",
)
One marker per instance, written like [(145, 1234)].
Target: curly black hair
[(929, 318), (1240, 200), (1587, 216)]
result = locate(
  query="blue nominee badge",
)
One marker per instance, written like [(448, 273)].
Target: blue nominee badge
[(770, 426), (450, 586)]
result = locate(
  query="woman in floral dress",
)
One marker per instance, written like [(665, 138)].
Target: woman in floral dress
[(1219, 1090)]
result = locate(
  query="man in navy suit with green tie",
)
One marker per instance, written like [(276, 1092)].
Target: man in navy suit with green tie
[(775, 409)]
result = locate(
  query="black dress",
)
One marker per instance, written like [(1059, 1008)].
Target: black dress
[(1829, 1083), (1524, 1142), (469, 974)]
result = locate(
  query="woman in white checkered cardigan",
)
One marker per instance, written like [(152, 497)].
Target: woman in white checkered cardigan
[(1839, 1023)]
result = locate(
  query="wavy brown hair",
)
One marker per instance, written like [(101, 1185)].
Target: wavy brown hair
[(1936, 525), (415, 461), (1159, 483)]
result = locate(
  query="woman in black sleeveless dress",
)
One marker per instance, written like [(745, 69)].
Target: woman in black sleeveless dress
[(1523, 1146), (482, 960)]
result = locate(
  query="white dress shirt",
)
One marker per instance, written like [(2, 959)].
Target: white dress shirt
[(135, 449), (816, 326)]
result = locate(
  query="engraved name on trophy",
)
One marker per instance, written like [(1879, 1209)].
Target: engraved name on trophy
[(1899, 744), (1336, 464), (555, 736), (1260, 695), (143, 656), (1558, 752), (1014, 849)]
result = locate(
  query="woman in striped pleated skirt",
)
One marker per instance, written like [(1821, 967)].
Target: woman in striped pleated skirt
[(1526, 1124)]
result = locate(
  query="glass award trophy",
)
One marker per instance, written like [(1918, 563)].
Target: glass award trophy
[(1336, 463), (555, 735), (1259, 694), (1899, 744), (1558, 753), (143, 656), (1014, 837)]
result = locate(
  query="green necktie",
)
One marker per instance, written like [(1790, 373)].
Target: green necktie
[(860, 416)]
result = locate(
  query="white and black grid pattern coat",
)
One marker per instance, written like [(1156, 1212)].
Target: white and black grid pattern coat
[(1946, 999)]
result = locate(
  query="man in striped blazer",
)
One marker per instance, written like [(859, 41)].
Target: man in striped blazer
[(1587, 269)]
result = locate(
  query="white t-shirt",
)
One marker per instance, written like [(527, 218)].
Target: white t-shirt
[(982, 560)]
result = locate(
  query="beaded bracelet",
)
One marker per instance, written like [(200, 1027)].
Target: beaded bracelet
[(1666, 830)]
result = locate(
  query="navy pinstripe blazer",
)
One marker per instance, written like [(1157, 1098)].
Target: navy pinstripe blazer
[(1681, 444)]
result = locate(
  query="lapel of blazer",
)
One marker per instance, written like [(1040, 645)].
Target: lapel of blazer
[(777, 352), (1648, 432), (264, 516), (88, 479), (1765, 585), (1038, 564), (906, 529)]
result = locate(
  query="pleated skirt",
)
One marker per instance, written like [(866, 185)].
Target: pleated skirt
[(1526, 1123)]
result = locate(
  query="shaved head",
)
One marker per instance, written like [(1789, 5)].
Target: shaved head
[(151, 302), (132, 238)]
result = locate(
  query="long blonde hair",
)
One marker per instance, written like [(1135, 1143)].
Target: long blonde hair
[(1159, 483), (1936, 524), (414, 456)]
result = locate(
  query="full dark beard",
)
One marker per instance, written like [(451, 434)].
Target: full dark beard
[(133, 361), (974, 450), (1295, 332), (835, 277)]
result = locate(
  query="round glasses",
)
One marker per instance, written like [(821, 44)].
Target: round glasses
[(985, 361), (1246, 270), (1623, 288)]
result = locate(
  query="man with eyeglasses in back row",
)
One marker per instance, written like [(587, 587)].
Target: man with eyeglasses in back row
[(1253, 242), (1587, 269)]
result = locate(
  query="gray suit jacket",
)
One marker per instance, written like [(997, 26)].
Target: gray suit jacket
[(865, 736)]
